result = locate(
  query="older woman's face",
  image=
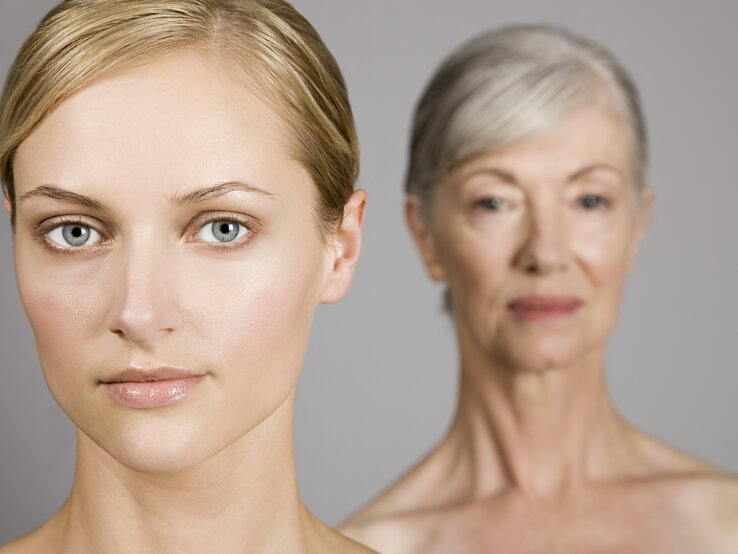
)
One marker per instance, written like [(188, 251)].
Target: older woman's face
[(536, 240), (165, 235)]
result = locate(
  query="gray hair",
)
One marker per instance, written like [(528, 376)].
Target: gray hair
[(508, 85)]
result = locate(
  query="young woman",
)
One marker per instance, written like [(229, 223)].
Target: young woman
[(180, 177), (526, 195)]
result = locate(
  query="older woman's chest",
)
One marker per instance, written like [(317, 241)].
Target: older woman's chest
[(609, 524)]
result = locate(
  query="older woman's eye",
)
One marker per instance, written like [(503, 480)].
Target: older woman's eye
[(493, 203), (74, 235), (222, 231), (593, 201)]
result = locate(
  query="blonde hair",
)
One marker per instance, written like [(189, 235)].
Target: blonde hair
[(509, 84), (276, 48)]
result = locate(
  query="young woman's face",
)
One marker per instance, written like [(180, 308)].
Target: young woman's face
[(536, 241), (169, 258)]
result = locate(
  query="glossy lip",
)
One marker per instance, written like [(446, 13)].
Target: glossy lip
[(543, 308), (150, 388)]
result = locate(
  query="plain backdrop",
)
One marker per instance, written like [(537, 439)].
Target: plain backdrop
[(378, 388)]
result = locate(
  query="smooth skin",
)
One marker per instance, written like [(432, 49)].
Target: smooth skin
[(537, 460), (144, 160)]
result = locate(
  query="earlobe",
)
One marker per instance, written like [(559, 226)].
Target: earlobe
[(7, 205), (347, 245), (417, 223)]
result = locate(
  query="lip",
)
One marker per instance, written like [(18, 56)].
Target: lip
[(542, 308), (150, 388)]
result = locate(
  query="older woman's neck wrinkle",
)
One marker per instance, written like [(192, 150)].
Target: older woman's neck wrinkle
[(542, 434)]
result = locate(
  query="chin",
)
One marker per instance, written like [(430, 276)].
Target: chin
[(539, 363), (158, 446), (541, 356), (159, 462)]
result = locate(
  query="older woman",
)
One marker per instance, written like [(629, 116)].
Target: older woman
[(526, 195), (180, 179)]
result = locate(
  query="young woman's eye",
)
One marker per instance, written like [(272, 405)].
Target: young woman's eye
[(222, 231), (74, 235), (592, 201), (492, 203)]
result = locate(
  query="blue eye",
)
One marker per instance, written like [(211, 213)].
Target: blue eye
[(73, 235), (592, 202), (222, 231), (493, 203)]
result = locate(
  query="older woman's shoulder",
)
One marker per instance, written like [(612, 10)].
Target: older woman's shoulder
[(387, 533), (706, 499), (713, 503), (714, 495), (701, 488)]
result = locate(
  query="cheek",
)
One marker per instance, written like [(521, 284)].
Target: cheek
[(477, 261), (253, 323), (64, 305), (606, 260)]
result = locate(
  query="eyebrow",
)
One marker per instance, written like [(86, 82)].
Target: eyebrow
[(200, 195), (218, 190), (578, 174), (63, 195), (500, 174), (594, 167)]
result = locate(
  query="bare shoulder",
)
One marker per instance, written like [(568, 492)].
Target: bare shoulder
[(388, 534), (701, 494), (704, 505), (322, 539), (394, 522), (341, 544), (31, 543), (711, 500), (404, 518), (15, 547)]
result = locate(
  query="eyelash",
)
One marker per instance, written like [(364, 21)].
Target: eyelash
[(46, 227), (496, 204), (484, 203), (603, 203), (200, 221)]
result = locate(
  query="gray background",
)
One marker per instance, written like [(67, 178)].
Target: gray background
[(379, 383)]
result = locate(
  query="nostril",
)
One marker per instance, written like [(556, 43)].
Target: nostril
[(532, 268)]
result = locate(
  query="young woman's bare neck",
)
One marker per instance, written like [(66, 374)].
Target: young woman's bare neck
[(244, 497)]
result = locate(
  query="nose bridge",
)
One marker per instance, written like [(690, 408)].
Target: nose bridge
[(145, 305), (544, 244)]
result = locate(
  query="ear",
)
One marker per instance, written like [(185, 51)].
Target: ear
[(645, 206), (346, 243), (417, 222), (7, 205)]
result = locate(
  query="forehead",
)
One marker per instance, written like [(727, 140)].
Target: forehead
[(594, 134), (173, 120)]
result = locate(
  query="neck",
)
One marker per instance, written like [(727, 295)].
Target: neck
[(245, 496), (541, 433)]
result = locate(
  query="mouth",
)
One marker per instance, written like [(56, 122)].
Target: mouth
[(150, 388), (542, 308)]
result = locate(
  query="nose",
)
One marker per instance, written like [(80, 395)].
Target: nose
[(145, 308), (543, 248)]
